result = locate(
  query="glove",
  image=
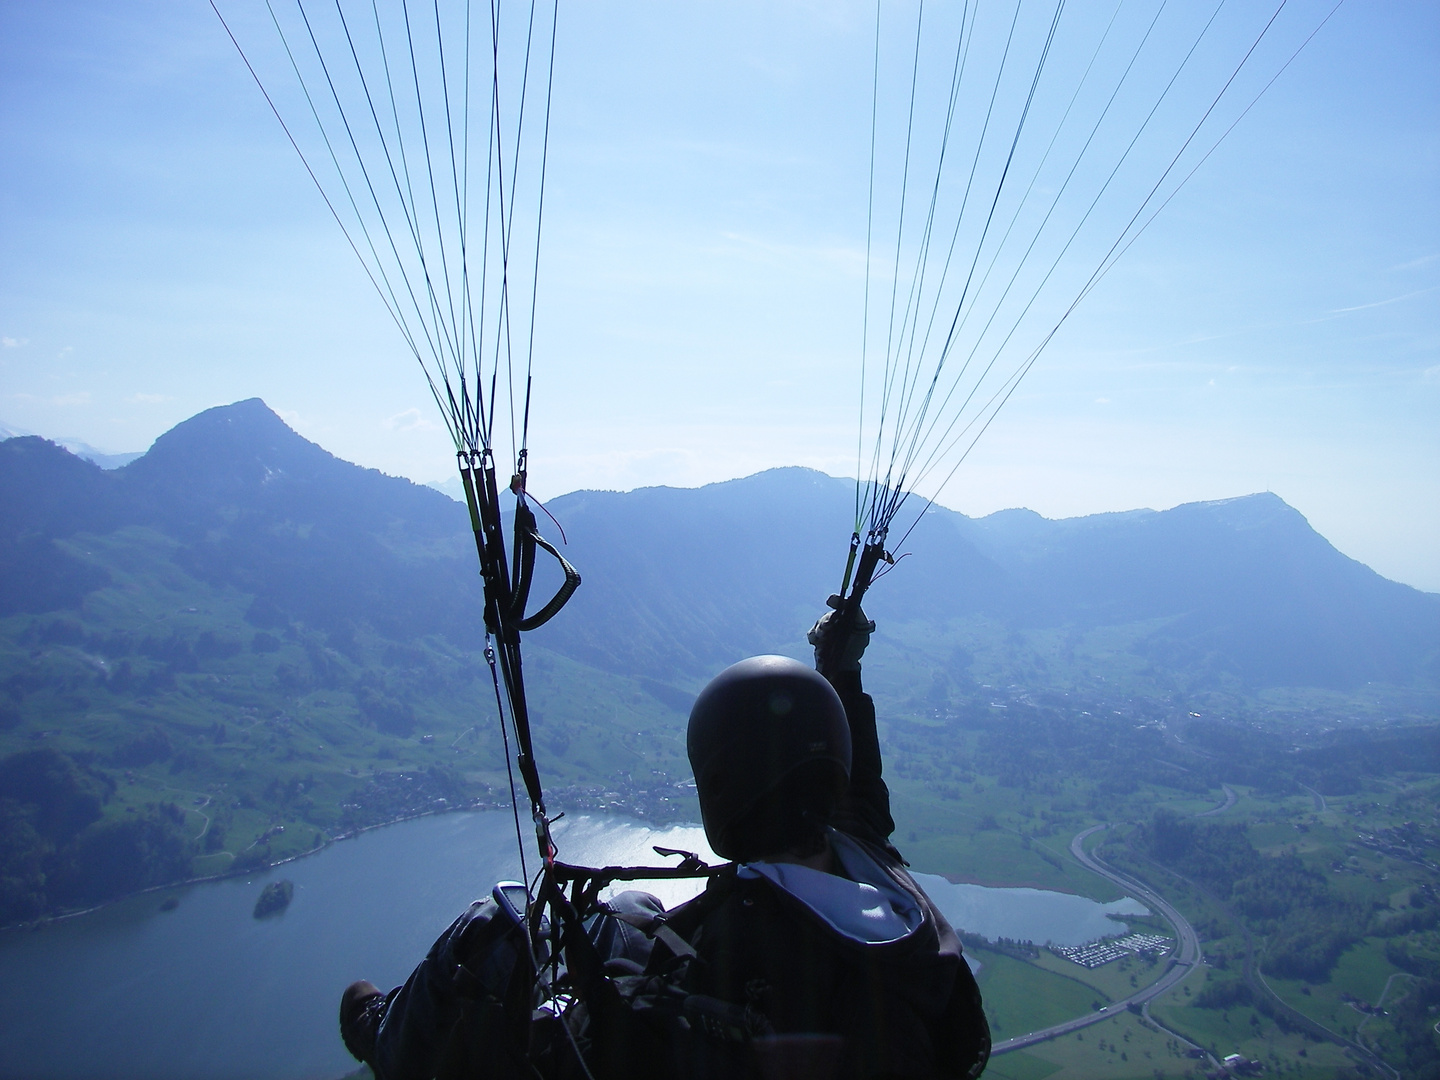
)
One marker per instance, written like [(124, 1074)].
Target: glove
[(832, 656)]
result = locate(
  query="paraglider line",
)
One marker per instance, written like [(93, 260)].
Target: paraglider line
[(1020, 263), (985, 232), (944, 444), (1014, 382), (509, 769), (364, 171), (865, 306), (345, 231), (539, 223)]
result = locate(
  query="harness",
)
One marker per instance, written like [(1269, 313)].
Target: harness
[(539, 1001)]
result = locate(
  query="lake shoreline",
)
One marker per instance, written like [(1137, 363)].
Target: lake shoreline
[(41, 922), (1007, 883), (479, 806)]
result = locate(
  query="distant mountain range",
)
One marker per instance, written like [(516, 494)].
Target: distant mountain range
[(78, 447), (678, 582)]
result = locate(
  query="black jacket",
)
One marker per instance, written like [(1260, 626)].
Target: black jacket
[(908, 1008)]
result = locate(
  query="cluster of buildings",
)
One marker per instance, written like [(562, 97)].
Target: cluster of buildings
[(1408, 842), (1098, 953), (658, 800), (394, 796)]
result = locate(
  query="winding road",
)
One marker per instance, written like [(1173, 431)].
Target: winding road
[(1183, 961), (1230, 799)]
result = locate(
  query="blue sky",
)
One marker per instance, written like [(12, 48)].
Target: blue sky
[(699, 314)]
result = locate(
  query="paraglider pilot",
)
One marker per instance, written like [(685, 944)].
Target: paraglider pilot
[(813, 955)]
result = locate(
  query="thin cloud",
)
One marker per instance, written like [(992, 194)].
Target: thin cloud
[(82, 398), (1416, 264), (1382, 303), (410, 420), (13, 343), (148, 399), (1329, 316)]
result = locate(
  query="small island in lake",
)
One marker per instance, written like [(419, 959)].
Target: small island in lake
[(274, 899)]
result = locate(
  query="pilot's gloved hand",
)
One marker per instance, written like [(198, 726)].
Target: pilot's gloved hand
[(835, 649)]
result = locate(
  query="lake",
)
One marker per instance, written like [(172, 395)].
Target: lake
[(207, 992)]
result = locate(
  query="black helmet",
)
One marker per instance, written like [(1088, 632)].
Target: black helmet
[(770, 747)]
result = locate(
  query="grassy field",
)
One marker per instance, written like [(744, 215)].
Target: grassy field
[(1361, 975), (1021, 1066), (1114, 1049), (1246, 1031), (941, 836), (1115, 980), (1021, 997), (1345, 846)]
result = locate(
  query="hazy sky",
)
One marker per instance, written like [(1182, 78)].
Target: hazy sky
[(162, 251)]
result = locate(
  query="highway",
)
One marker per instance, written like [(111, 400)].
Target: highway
[(1230, 798), (1186, 956), (1320, 805), (1184, 961)]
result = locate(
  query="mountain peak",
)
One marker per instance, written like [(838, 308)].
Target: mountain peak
[(1260, 510), (241, 422), (232, 446)]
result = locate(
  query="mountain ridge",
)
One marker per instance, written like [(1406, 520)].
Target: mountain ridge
[(680, 581)]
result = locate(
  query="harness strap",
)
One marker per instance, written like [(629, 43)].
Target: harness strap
[(582, 960), (686, 919), (507, 587), (527, 539), (653, 926)]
